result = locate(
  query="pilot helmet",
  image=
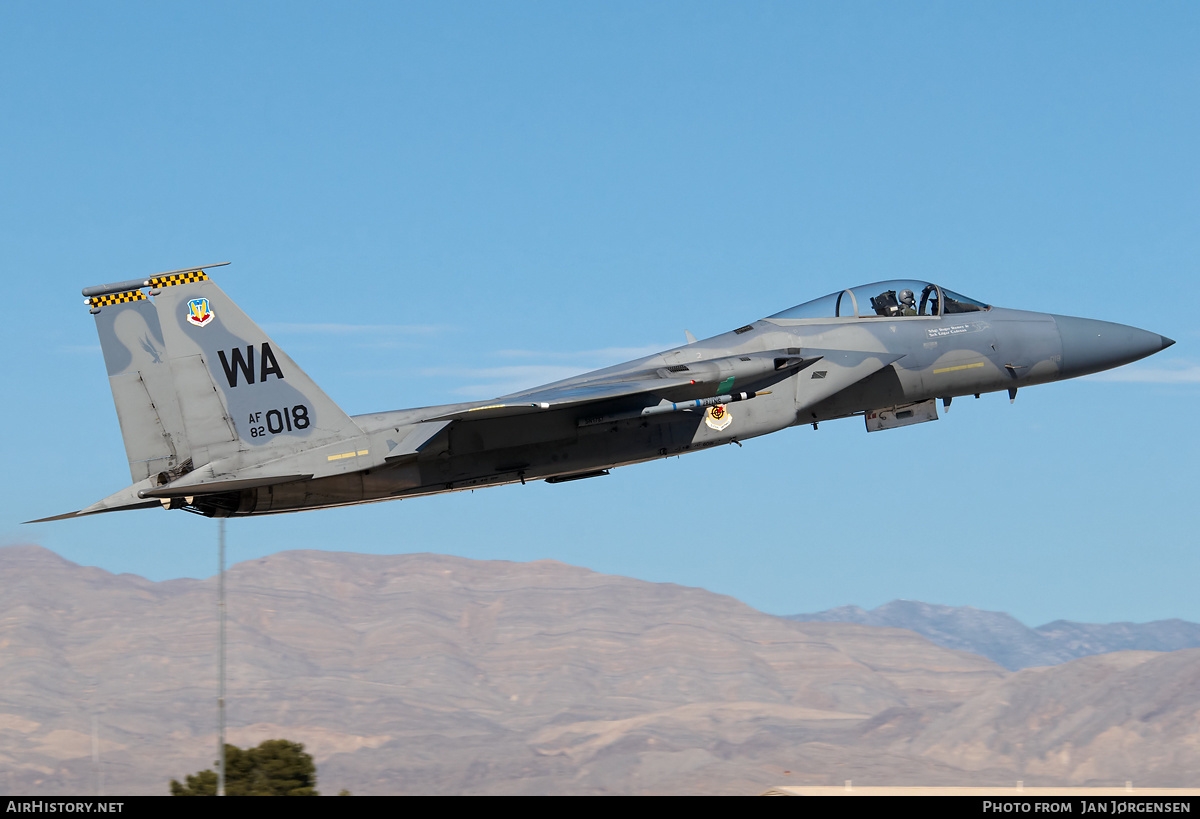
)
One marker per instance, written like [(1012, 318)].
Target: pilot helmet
[(906, 298)]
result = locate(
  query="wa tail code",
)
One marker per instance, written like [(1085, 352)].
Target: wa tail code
[(235, 362)]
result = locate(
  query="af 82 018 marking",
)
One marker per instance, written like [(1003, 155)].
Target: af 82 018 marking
[(279, 420)]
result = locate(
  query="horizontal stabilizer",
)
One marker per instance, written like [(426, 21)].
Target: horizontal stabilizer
[(127, 498), (178, 489), (82, 512)]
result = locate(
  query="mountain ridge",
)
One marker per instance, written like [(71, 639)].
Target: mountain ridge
[(1005, 640), (437, 674)]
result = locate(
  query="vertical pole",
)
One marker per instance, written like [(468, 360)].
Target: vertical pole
[(96, 756), (221, 660)]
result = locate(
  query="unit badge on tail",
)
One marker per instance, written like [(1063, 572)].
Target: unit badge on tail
[(199, 313)]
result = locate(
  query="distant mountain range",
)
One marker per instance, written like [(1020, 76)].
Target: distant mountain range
[(1003, 639), (429, 674)]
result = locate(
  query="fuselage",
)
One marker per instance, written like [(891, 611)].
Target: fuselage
[(218, 420), (858, 361)]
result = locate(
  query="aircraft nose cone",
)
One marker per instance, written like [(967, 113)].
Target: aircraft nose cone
[(1089, 346)]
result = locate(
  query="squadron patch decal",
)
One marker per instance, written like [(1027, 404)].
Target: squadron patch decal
[(717, 417), (199, 313)]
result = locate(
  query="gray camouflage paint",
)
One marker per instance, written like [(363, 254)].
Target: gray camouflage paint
[(218, 420)]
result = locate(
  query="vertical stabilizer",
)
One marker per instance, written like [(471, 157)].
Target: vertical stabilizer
[(141, 381), (238, 391), (196, 381)]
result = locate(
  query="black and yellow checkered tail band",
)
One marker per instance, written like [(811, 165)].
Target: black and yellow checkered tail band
[(178, 278), (116, 298)]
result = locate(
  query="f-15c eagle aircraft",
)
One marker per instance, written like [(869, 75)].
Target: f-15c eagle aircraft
[(218, 419)]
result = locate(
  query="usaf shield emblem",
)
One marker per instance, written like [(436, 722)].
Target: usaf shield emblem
[(199, 312)]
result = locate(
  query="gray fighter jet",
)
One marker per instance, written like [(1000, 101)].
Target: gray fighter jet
[(218, 420)]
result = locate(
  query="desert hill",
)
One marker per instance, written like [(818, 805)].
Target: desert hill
[(436, 674)]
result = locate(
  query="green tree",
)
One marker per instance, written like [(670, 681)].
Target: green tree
[(275, 768)]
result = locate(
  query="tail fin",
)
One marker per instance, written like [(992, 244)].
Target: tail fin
[(195, 380), (142, 386)]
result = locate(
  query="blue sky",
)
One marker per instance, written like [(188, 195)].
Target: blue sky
[(425, 203)]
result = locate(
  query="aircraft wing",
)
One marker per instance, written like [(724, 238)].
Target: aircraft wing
[(566, 396), (714, 377)]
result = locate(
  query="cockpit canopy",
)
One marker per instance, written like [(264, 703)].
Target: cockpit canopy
[(891, 299)]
